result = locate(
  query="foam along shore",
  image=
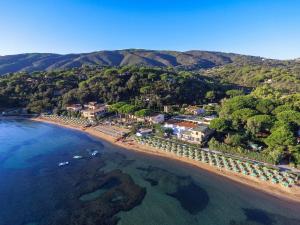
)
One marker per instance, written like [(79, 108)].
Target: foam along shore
[(291, 193)]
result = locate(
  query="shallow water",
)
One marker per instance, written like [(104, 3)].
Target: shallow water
[(117, 186)]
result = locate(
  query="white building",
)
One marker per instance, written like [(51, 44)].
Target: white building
[(159, 118), (143, 132), (92, 109)]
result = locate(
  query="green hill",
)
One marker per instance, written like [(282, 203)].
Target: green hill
[(46, 62)]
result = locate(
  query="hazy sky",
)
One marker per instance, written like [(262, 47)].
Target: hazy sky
[(269, 28)]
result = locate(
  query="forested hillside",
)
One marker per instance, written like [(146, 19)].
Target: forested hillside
[(142, 86), (48, 62), (238, 69), (282, 75)]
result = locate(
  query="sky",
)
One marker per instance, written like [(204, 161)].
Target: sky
[(267, 28)]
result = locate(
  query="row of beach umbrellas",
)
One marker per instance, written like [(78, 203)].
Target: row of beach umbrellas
[(68, 120), (219, 160)]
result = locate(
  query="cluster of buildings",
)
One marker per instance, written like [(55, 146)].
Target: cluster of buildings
[(193, 128), (90, 110)]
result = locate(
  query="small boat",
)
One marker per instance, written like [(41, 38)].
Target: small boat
[(63, 163), (77, 157), (94, 153)]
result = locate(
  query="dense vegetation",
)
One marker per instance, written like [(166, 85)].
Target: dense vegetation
[(237, 69), (283, 75), (142, 87), (266, 122)]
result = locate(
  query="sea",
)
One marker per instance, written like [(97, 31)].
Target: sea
[(99, 183)]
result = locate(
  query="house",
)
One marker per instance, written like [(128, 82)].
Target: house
[(143, 132), (92, 109), (194, 110), (179, 126), (159, 118), (196, 135), (74, 107)]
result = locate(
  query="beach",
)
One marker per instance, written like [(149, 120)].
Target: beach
[(289, 194)]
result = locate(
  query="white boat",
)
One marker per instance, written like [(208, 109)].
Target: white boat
[(63, 163), (94, 153), (77, 157)]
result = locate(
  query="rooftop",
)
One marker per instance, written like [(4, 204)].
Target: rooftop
[(201, 128), (182, 123)]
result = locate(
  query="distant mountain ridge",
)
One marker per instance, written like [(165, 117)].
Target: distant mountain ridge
[(190, 59)]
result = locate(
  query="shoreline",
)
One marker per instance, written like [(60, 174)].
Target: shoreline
[(289, 194)]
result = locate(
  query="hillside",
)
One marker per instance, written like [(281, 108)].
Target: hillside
[(283, 75), (189, 60), (243, 70)]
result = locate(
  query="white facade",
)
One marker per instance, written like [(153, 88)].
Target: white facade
[(157, 119)]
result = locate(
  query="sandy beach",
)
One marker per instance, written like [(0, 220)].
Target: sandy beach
[(289, 194)]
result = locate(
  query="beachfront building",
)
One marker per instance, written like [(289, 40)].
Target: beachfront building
[(93, 109), (179, 126), (189, 131), (196, 135)]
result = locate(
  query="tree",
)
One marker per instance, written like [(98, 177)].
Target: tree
[(210, 95), (220, 125), (275, 153), (145, 89), (234, 92), (233, 140), (241, 115), (260, 123), (115, 107), (266, 91), (295, 154), (282, 108), (236, 103), (265, 106), (142, 113), (282, 136), (127, 109), (110, 72), (289, 116)]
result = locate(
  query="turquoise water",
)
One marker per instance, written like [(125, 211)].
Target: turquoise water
[(117, 186)]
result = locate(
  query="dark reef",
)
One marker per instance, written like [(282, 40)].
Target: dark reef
[(54, 193), (191, 196)]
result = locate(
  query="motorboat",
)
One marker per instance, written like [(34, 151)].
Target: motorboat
[(63, 163), (77, 157), (94, 153)]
